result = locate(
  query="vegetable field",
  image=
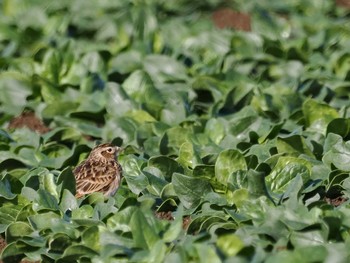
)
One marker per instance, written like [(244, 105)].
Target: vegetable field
[(233, 116)]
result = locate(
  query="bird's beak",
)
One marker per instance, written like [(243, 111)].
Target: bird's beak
[(118, 150)]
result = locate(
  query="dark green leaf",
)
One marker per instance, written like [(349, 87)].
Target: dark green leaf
[(190, 190)]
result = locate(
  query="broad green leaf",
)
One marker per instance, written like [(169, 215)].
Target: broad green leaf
[(126, 62), (59, 242), (307, 238), (229, 244), (337, 152), (175, 96), (83, 212), (5, 190), (318, 115), (144, 234), (158, 252), (190, 190), (228, 161), (16, 230), (206, 252), (286, 169), (295, 144), (93, 62), (174, 138), (215, 129), (120, 220), (75, 252), (13, 249), (164, 68), (140, 87), (135, 179), (91, 238), (339, 126), (66, 182), (156, 182), (238, 197), (9, 213), (166, 165), (175, 228), (43, 221), (188, 155), (204, 171), (68, 201), (118, 102), (46, 200), (14, 89), (48, 183)]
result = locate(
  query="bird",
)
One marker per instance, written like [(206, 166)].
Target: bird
[(100, 172)]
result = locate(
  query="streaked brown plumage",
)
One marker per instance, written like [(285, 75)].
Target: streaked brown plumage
[(100, 172)]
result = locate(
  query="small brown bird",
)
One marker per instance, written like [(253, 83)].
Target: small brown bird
[(100, 172)]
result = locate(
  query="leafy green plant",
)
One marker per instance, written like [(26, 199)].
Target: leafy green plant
[(236, 143)]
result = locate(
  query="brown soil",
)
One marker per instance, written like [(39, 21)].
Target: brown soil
[(168, 216), (29, 120), (336, 201), (343, 3), (186, 222), (2, 245), (227, 18), (165, 215)]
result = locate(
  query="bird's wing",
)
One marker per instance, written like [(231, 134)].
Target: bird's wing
[(93, 177)]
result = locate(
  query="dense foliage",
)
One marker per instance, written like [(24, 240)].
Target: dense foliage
[(236, 143)]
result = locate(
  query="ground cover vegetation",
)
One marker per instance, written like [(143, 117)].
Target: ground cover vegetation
[(234, 116)]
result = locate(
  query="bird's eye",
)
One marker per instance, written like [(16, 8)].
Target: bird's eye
[(110, 149)]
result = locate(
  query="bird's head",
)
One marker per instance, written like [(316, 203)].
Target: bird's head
[(105, 152)]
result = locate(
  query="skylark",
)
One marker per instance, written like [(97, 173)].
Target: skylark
[(100, 172)]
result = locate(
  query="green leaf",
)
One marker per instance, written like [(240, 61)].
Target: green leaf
[(239, 196), (16, 230), (318, 115), (188, 155), (118, 102), (190, 190), (5, 190), (9, 213), (13, 249), (66, 181), (215, 128), (126, 62), (228, 161), (164, 68), (75, 252), (174, 138), (294, 144), (140, 87), (43, 221), (120, 220), (166, 165), (337, 152), (207, 171), (144, 234), (175, 228), (206, 253), (91, 238), (47, 200), (286, 169), (230, 244), (339, 126), (307, 238), (68, 201), (157, 252), (14, 99)]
